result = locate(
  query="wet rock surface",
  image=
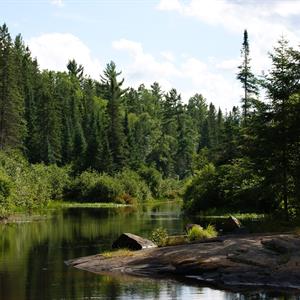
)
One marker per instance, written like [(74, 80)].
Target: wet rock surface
[(250, 261)]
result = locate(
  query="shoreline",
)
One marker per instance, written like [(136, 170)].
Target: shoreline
[(252, 262)]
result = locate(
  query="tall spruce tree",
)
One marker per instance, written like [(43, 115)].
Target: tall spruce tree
[(113, 93), (281, 83), (12, 121), (246, 77)]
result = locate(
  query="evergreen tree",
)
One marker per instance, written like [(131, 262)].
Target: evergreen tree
[(281, 83), (113, 93), (47, 137), (75, 69), (12, 122), (246, 77)]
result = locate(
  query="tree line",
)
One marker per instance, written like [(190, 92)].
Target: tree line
[(247, 156)]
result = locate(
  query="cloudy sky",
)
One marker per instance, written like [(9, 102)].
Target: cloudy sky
[(192, 45)]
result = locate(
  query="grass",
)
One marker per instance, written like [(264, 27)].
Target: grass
[(176, 240), (117, 253), (240, 216), (62, 204), (197, 233)]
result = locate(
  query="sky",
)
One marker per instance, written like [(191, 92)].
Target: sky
[(191, 45)]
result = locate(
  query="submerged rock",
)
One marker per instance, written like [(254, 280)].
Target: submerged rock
[(132, 242)]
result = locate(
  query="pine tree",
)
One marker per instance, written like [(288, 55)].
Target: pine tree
[(113, 93), (281, 83), (75, 69), (48, 131), (28, 78), (246, 77), (12, 122)]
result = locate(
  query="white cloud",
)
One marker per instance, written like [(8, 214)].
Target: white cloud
[(144, 68), (229, 64), (168, 55), (223, 91), (53, 50), (266, 21), (287, 8), (169, 5), (59, 3), (188, 74)]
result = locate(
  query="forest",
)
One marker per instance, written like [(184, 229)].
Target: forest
[(64, 135)]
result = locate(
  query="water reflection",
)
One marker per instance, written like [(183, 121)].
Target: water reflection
[(32, 256)]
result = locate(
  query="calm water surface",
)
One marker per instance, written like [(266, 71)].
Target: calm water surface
[(32, 256)]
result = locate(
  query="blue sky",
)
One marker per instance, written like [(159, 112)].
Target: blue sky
[(192, 45)]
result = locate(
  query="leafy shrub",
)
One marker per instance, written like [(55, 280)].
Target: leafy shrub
[(106, 189), (159, 236), (171, 188), (5, 191), (201, 191), (31, 188), (59, 179), (153, 178), (134, 185), (197, 233), (240, 186), (126, 187), (92, 186)]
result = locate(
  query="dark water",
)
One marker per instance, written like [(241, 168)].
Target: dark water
[(32, 256)]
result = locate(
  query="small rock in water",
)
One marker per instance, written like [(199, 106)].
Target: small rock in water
[(132, 242)]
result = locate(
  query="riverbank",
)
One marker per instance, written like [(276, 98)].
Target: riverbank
[(247, 261)]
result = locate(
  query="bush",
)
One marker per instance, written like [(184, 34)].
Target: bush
[(31, 188), (133, 185), (159, 237), (197, 233), (92, 186), (240, 187), (5, 192), (126, 187), (171, 188), (59, 180), (153, 179), (201, 191), (106, 189)]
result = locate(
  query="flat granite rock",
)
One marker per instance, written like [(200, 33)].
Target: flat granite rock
[(132, 242), (253, 261)]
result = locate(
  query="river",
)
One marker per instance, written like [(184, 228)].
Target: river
[(32, 255)]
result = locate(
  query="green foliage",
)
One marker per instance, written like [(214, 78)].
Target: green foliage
[(126, 187), (197, 233), (91, 186), (133, 185), (233, 186), (201, 191), (57, 178), (249, 159), (153, 179), (5, 192), (171, 188), (240, 186), (24, 186), (159, 236)]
